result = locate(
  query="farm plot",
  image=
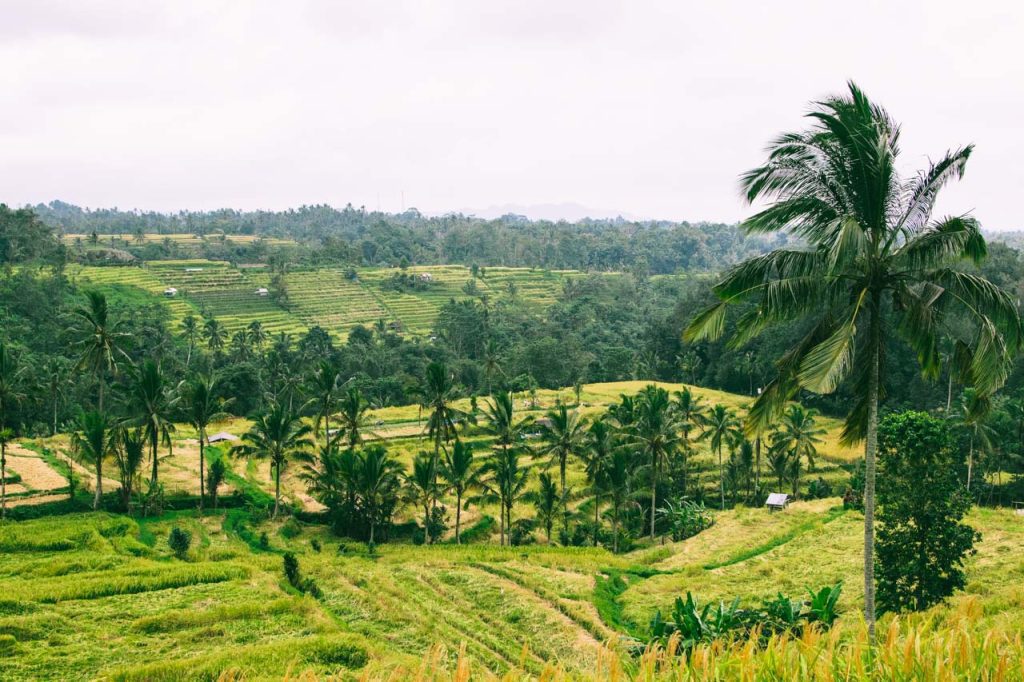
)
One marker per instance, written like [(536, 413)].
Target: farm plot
[(328, 299), (225, 293), (417, 309), (137, 284), (541, 287)]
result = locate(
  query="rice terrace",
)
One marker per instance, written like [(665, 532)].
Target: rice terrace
[(450, 341)]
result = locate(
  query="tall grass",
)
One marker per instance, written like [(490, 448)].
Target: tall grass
[(906, 652)]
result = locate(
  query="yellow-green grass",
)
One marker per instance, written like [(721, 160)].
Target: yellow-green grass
[(65, 611)]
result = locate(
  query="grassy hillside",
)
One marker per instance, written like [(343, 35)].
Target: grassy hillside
[(326, 297), (95, 595)]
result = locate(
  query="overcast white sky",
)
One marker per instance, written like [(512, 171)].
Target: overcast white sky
[(651, 109)]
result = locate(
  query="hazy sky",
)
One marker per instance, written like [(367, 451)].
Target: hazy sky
[(651, 109)]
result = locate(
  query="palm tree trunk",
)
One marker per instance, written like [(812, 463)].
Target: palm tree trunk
[(277, 489), (949, 392), (3, 479), (565, 502), (597, 508), (53, 429), (156, 454), (202, 469), (458, 517), (721, 476), (870, 450), (99, 483), (654, 492), (757, 470), (970, 463), (615, 529)]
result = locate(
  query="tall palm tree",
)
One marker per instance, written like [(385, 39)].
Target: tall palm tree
[(874, 263), (655, 430), (153, 400), (257, 334), (491, 364), (422, 489), (325, 385), (600, 443), (202, 406), (215, 335), (129, 452), (564, 435), (190, 330), (100, 339), (972, 417), (378, 479), (10, 393), (618, 481), (92, 442), (55, 381), (460, 475), (277, 435), (720, 428), (353, 417), (692, 413), (505, 479), (798, 434), (437, 394), (501, 421), (545, 500)]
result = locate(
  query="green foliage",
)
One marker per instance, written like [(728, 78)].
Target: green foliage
[(922, 542), (179, 540)]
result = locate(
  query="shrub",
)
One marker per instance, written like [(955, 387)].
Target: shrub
[(264, 540), (179, 541), (315, 544), (521, 532), (921, 543), (291, 529), (294, 576)]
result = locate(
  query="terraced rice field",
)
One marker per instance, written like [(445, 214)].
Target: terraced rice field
[(98, 596), (226, 293), (327, 298), (129, 282), (180, 239)]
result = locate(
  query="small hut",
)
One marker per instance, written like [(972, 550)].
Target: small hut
[(221, 437), (262, 291), (777, 501), (170, 292)]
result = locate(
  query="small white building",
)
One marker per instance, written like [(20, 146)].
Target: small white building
[(777, 501), (221, 437), (426, 277), (262, 291), (170, 292)]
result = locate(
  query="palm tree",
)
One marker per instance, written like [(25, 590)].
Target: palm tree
[(564, 434), (10, 393), (874, 261), (378, 478), (491, 364), (618, 479), (100, 340), (276, 435), (421, 484), (215, 335), (325, 385), (215, 474), (460, 475), (438, 393), (92, 442), (721, 428), (129, 452), (353, 417), (545, 500), (798, 434), (257, 334), (201, 408), (153, 401), (655, 430), (600, 443), (506, 480), (972, 417), (692, 413), (501, 422), (55, 381), (190, 330)]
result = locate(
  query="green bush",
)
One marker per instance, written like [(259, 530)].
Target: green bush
[(290, 529), (179, 541)]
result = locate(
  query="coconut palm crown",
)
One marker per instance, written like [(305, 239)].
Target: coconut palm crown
[(874, 264)]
